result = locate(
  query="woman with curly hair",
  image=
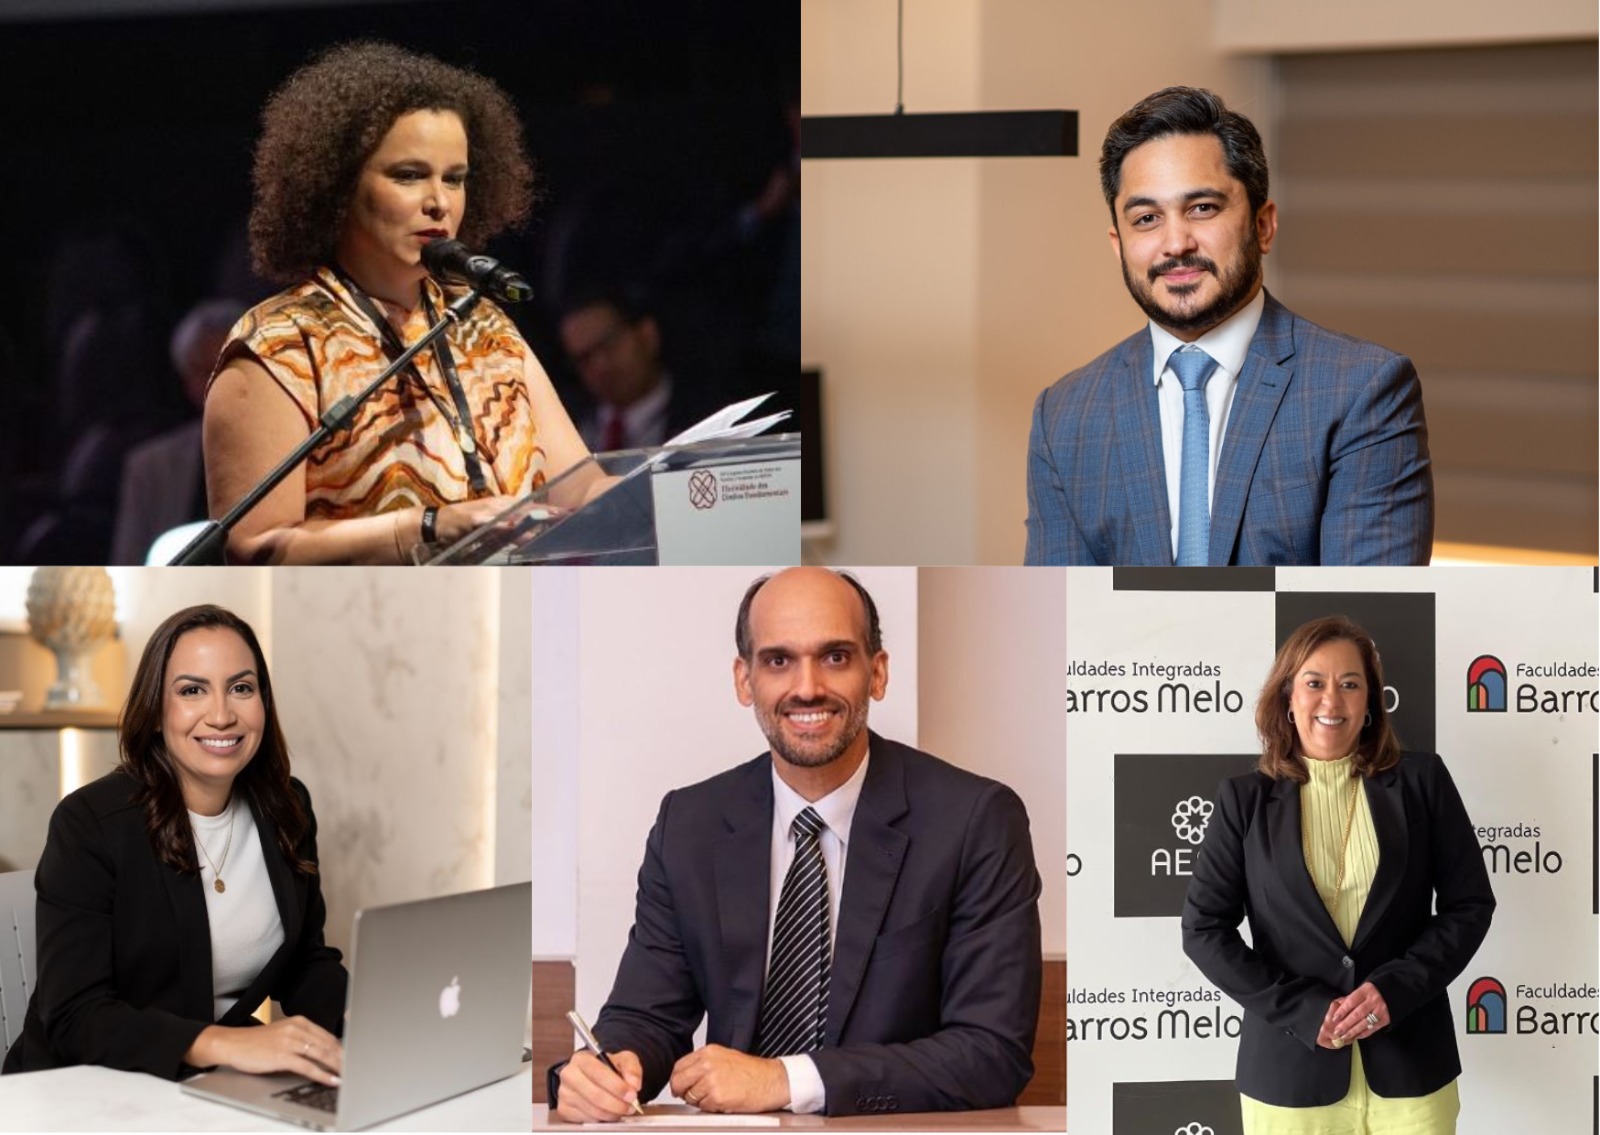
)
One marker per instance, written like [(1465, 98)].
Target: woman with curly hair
[(1359, 872), (365, 156), (180, 891)]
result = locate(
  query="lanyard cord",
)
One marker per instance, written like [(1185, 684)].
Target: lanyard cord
[(461, 423)]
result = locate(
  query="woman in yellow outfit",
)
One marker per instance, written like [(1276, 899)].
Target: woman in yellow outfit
[(1339, 847)]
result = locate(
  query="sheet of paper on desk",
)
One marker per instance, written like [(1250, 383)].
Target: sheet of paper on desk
[(696, 1120)]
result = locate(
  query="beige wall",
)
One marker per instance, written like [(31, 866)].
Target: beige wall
[(1315, 25), (941, 296), (993, 645)]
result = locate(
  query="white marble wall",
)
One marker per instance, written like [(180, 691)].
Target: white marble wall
[(390, 694)]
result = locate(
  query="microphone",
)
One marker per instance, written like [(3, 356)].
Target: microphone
[(450, 260)]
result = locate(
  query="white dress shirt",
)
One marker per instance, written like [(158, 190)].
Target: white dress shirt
[(807, 1094), (1228, 343)]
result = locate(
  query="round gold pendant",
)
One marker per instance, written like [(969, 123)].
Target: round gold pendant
[(220, 886)]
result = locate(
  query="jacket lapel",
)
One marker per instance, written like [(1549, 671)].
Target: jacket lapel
[(1387, 804), (1267, 372), (1287, 845), (872, 866), (285, 889), (1136, 418), (188, 900), (743, 859)]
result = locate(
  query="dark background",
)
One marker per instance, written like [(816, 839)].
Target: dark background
[(650, 125)]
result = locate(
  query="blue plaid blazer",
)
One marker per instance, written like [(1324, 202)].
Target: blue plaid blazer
[(1325, 458)]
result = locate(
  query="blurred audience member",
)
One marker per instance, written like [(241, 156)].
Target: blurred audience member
[(163, 479)]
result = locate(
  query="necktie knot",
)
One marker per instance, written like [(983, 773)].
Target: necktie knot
[(807, 825), (1192, 366)]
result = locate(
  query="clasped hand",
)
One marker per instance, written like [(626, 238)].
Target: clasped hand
[(712, 1078), (1347, 1018)]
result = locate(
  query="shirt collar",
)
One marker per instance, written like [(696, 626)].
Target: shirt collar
[(837, 808), (1228, 342), (644, 412)]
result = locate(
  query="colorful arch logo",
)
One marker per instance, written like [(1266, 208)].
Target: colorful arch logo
[(1486, 685), (1486, 1006)]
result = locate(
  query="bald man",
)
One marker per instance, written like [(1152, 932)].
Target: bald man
[(857, 921)]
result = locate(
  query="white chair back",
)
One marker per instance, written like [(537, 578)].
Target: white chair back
[(18, 951)]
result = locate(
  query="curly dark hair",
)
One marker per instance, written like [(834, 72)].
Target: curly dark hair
[(264, 782), (320, 127)]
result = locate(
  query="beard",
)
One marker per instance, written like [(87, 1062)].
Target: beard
[(818, 751), (1234, 287)]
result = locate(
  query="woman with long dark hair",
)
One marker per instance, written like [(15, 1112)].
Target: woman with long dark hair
[(1359, 872), (180, 891)]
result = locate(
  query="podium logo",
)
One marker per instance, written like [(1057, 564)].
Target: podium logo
[(1190, 819), (1486, 685), (1195, 1128), (1486, 1006), (702, 488)]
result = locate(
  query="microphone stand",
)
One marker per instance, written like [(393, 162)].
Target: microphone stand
[(209, 545)]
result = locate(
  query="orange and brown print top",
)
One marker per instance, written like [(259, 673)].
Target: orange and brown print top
[(402, 449)]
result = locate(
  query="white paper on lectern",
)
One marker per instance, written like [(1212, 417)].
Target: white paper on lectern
[(721, 424), (696, 1121)]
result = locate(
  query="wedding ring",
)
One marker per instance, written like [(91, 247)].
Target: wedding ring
[(1338, 1042), (1372, 1019)]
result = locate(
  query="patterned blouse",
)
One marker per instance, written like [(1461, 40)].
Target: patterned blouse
[(402, 450)]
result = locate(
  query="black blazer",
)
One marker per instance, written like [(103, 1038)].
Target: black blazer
[(934, 989), (125, 943), (1252, 865)]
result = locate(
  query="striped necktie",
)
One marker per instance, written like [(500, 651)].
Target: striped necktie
[(1194, 369), (794, 1007)]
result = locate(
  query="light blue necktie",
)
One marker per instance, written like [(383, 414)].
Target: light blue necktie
[(1193, 368)]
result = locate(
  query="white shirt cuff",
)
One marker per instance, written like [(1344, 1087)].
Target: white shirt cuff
[(807, 1095)]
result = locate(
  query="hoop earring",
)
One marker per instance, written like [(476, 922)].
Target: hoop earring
[(1291, 717), (1367, 724)]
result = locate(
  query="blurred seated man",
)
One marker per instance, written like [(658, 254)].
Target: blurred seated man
[(615, 344), (163, 479)]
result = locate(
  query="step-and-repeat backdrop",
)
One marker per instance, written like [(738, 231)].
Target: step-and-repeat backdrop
[(1496, 670)]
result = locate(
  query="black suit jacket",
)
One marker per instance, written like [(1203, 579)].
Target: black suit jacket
[(934, 988), (1252, 864), (125, 943)]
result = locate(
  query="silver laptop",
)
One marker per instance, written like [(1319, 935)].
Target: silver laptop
[(437, 1006)]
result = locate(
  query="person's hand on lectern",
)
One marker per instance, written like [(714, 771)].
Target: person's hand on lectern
[(715, 1078), (592, 1093)]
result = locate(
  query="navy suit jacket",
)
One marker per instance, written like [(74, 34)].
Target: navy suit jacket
[(934, 988), (1325, 458), (125, 943), (1426, 915)]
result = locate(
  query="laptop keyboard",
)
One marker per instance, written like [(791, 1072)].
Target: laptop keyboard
[(320, 1096)]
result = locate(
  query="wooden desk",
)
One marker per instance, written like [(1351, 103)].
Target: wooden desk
[(998, 1119)]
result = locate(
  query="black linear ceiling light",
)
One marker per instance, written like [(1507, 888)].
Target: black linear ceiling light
[(973, 134)]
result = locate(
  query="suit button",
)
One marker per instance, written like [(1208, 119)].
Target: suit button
[(1347, 962)]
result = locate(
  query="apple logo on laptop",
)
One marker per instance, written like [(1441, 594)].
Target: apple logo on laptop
[(450, 998)]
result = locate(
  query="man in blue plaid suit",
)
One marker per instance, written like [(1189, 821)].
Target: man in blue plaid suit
[(1230, 430)]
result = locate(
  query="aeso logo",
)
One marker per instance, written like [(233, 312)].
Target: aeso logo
[(1486, 685), (1190, 818), (1486, 1006)]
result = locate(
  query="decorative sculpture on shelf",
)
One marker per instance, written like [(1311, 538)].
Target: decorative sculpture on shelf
[(72, 611)]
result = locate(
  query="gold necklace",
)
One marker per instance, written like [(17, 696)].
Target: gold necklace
[(216, 868), (1344, 846)]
